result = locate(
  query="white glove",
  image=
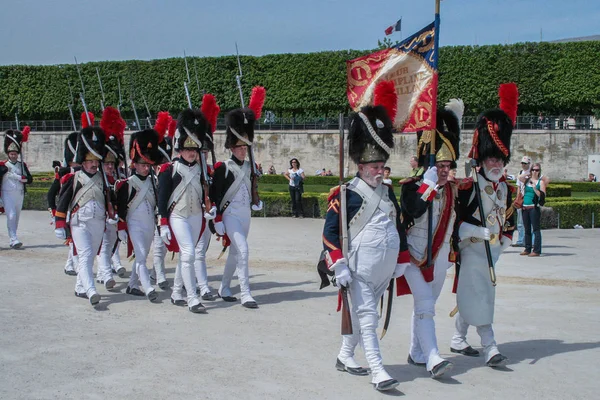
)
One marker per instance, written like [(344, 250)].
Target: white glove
[(13, 176), (112, 221), (212, 214), (165, 234), (122, 235), (258, 206), (467, 230), (220, 228), (60, 233), (430, 177), (342, 273), (399, 271), (23, 179)]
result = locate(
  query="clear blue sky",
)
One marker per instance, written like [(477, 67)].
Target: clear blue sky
[(53, 31)]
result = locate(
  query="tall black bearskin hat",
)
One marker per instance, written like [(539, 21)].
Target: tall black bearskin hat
[(14, 139), (90, 140), (114, 128), (143, 147), (494, 127), (370, 136), (191, 128), (240, 122), (447, 137), (163, 122), (70, 148)]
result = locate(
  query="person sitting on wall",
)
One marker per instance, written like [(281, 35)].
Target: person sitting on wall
[(591, 178)]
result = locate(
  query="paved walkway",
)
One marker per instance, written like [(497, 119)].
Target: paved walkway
[(56, 346)]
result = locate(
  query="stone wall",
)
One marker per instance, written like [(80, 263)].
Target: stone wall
[(563, 154)]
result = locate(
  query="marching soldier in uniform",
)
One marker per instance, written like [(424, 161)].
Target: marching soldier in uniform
[(377, 249), (180, 199), (424, 278), (475, 292), (136, 206), (85, 200), (69, 167), (114, 128), (164, 124), (231, 191), (13, 177)]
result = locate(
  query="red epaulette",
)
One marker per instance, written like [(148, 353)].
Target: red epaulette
[(218, 164), (333, 192), (164, 167), (3, 163), (465, 184), (65, 178)]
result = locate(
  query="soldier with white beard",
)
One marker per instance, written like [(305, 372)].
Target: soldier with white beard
[(136, 205), (13, 177), (377, 248), (84, 200), (475, 292), (423, 278)]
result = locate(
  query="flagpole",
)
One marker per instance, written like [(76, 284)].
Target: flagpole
[(436, 38)]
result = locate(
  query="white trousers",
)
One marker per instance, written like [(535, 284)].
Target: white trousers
[(116, 258), (160, 252), (237, 227), (486, 333), (423, 346), (109, 240), (187, 231), (71, 264), (87, 237), (140, 227), (200, 262), (374, 269), (13, 203)]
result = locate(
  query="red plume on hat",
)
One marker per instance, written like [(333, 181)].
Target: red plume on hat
[(509, 99), (385, 95), (162, 124), (257, 100), (211, 110), (25, 134), (84, 120), (111, 123), (172, 127)]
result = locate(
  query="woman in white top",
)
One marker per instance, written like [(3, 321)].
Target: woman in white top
[(296, 177)]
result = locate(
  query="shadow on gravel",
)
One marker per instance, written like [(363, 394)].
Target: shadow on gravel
[(292, 295), (44, 246)]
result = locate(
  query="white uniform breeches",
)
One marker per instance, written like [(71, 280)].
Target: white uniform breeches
[(160, 252), (423, 346), (237, 227), (87, 237), (109, 240), (200, 262), (140, 226), (187, 231), (13, 203)]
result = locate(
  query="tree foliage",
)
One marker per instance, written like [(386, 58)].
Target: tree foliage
[(554, 78)]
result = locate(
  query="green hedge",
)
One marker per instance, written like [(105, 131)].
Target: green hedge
[(573, 213), (552, 77), (585, 186), (558, 190)]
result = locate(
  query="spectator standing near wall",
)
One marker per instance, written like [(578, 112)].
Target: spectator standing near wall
[(534, 197), (386, 176), (415, 169), (296, 177), (525, 166)]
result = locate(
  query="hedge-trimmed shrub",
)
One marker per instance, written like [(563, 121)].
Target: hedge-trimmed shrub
[(573, 213), (585, 186), (558, 190)]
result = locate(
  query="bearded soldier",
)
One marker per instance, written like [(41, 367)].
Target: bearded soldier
[(69, 167), (474, 287), (232, 192), (180, 200), (14, 174), (84, 199), (136, 206), (114, 128), (377, 250), (425, 278)]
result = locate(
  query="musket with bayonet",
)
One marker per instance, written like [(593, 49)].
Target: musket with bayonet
[(120, 96), (70, 105), (103, 99), (110, 209), (254, 169)]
